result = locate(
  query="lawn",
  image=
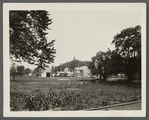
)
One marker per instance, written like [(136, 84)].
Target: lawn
[(69, 93)]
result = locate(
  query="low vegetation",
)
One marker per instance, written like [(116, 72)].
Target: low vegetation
[(40, 95)]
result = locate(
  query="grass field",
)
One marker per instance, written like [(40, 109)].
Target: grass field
[(69, 93)]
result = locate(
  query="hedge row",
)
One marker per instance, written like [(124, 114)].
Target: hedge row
[(41, 102)]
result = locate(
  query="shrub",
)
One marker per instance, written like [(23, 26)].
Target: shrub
[(41, 102)]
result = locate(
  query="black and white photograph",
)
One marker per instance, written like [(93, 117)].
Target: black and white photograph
[(74, 59)]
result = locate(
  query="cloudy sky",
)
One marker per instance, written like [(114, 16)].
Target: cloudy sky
[(82, 33)]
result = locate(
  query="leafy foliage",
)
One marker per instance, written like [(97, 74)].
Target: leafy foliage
[(37, 72), (13, 71), (93, 66), (117, 63), (28, 40), (126, 58), (70, 96), (20, 70), (27, 71), (51, 100), (128, 46), (101, 64)]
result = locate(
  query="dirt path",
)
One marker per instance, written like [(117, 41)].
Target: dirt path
[(136, 106)]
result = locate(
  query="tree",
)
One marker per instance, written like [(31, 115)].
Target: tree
[(117, 63), (52, 70), (13, 71), (28, 42), (27, 71), (128, 46), (101, 64), (73, 64), (93, 66), (37, 72), (104, 64), (20, 70)]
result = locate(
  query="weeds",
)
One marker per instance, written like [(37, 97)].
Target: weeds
[(41, 102), (43, 96)]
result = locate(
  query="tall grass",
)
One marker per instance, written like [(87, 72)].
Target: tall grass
[(68, 95)]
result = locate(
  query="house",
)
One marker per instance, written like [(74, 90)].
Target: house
[(47, 73), (82, 71), (42, 73), (68, 72), (62, 74)]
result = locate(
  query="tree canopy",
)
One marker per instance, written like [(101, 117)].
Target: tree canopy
[(28, 42), (27, 71), (13, 71), (128, 42), (93, 66), (128, 46), (101, 64), (126, 58), (20, 70)]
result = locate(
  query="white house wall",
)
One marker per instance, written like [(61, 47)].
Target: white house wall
[(86, 71), (43, 74)]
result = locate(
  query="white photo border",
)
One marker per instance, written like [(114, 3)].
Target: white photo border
[(70, 6)]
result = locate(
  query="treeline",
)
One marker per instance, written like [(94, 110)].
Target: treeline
[(19, 71), (72, 64), (126, 58)]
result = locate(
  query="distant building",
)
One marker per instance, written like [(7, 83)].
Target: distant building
[(82, 71), (68, 72), (62, 74), (47, 73)]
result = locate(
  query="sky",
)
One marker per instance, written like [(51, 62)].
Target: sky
[(82, 33)]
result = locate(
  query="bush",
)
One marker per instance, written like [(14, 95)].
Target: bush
[(41, 102)]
